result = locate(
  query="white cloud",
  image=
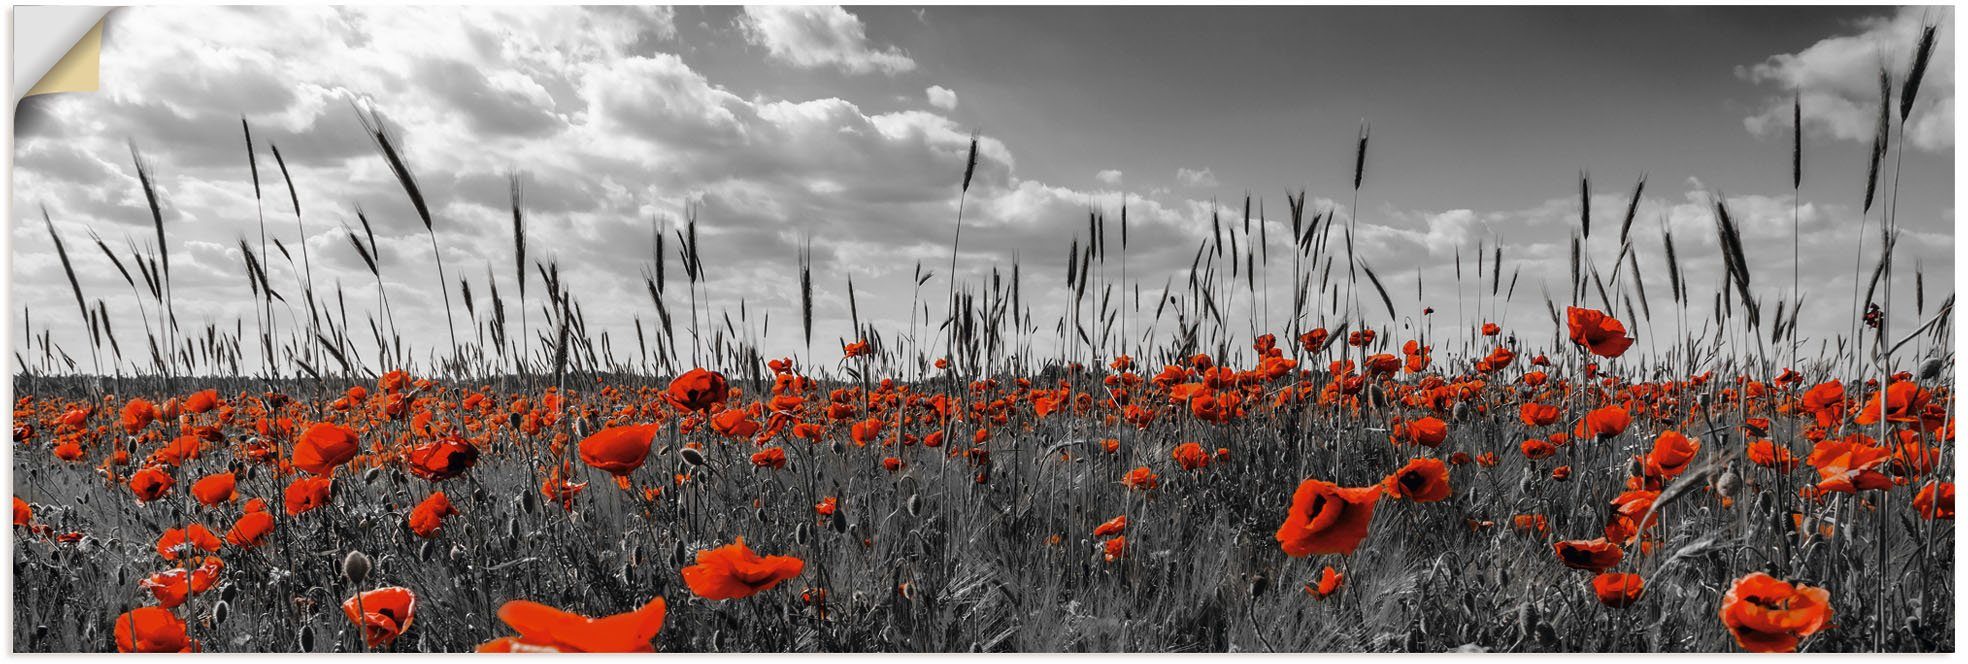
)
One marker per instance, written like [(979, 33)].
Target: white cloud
[(1194, 178), (1838, 78), (942, 97), (1109, 176), (814, 36)]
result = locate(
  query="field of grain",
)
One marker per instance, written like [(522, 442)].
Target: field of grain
[(1661, 466)]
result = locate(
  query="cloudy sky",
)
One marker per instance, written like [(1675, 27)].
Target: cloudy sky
[(849, 127)]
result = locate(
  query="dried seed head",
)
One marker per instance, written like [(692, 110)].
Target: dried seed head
[(355, 567)]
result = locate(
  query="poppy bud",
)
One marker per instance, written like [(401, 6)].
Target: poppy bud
[(369, 476), (802, 534), (1728, 483), (1931, 369), (458, 552), (219, 613), (1258, 584), (427, 551), (355, 567), (914, 505), (691, 456), (1528, 619), (306, 638), (228, 591), (839, 523), (677, 554), (838, 447)]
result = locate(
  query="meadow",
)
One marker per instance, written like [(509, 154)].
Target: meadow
[(1369, 474)]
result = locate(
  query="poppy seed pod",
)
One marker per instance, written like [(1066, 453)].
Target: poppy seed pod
[(355, 567)]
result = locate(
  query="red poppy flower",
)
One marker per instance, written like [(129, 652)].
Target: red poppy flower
[(1141, 478), (619, 450), (1935, 501), (697, 390), (1593, 555), (1599, 333), (1618, 590), (734, 571), (1190, 456), (152, 629), (543, 628), (1768, 615), (250, 530), (1604, 423), (441, 459), (306, 493), (194, 535), (173, 587), (1111, 527), (323, 447), (201, 402), (214, 489), (1671, 454), (23, 513), (1113, 549), (1423, 480), (1329, 582), (1326, 518), (150, 483), (1536, 414), (771, 457), (383, 613), (429, 515)]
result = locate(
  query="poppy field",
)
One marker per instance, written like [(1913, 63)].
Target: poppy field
[(1659, 466)]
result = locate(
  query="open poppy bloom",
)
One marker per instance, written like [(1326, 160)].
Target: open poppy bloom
[(173, 587), (734, 571), (323, 447), (23, 513), (250, 530), (1111, 527), (193, 536), (1603, 423), (619, 450), (306, 493), (1538, 414), (441, 459), (697, 390), (1329, 582), (200, 402), (429, 515), (152, 629), (383, 613), (1599, 333), (1423, 480), (1618, 590), (150, 483), (1769, 615), (1935, 501), (1671, 454), (1593, 555), (1327, 518), (214, 489), (543, 628), (1190, 456)]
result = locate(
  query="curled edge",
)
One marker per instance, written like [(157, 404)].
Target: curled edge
[(56, 49)]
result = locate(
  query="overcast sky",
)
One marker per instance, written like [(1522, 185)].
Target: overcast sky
[(849, 126)]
